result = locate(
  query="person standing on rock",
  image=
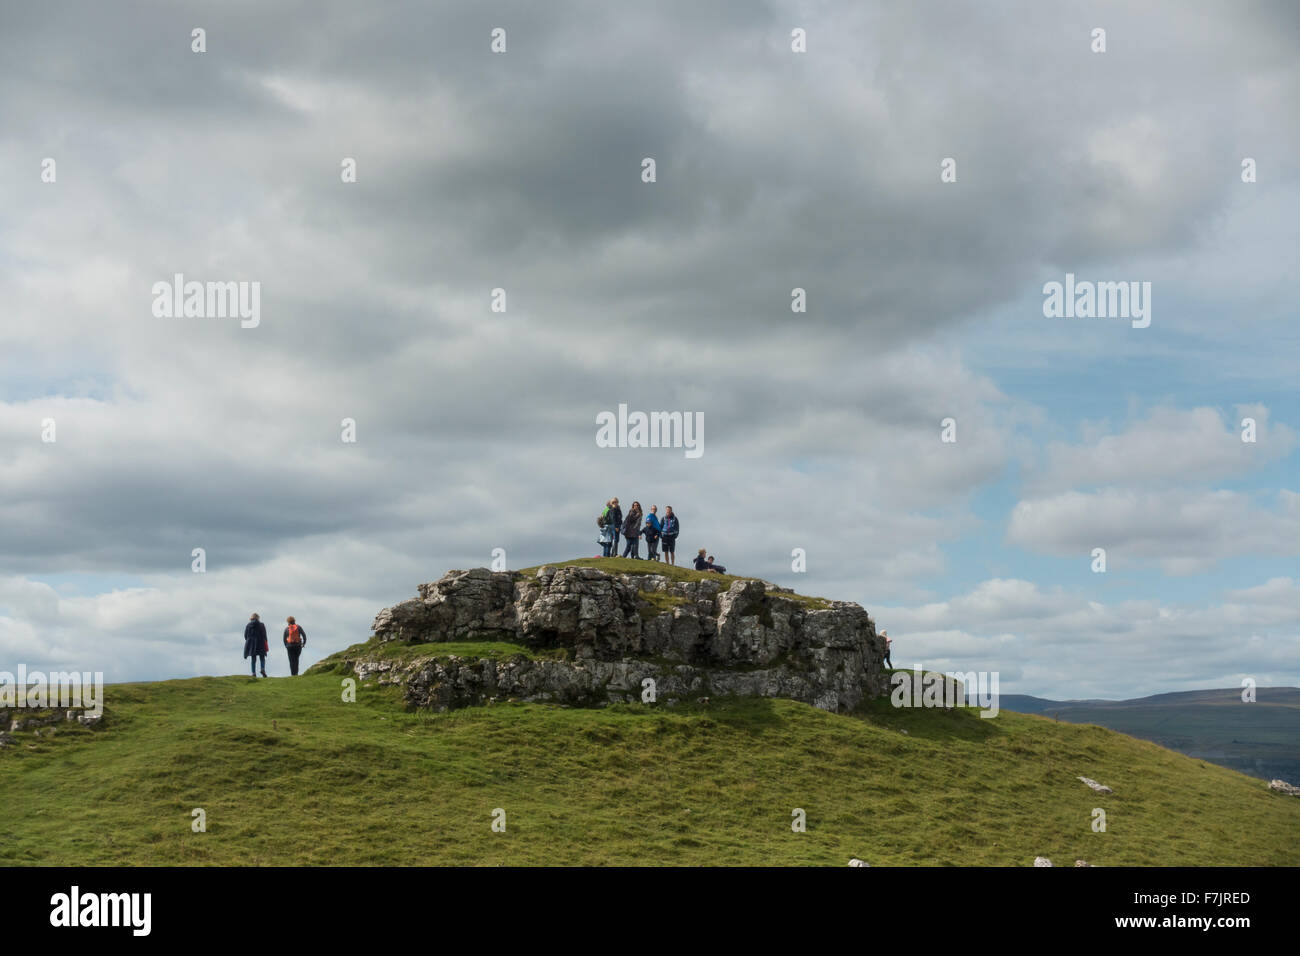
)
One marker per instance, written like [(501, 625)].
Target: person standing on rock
[(255, 644), (295, 639), (632, 532), (606, 537), (652, 532), (668, 531), (888, 644), (616, 516)]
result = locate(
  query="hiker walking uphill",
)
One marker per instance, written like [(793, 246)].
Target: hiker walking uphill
[(632, 531), (255, 644), (295, 639)]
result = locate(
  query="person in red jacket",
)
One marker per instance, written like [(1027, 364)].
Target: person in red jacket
[(295, 639)]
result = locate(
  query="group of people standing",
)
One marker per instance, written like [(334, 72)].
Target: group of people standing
[(256, 646), (659, 533)]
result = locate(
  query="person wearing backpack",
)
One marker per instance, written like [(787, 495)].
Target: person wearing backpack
[(255, 644), (606, 524), (632, 531), (669, 528), (295, 639), (651, 532)]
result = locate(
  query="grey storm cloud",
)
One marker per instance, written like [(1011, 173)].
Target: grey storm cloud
[(522, 171)]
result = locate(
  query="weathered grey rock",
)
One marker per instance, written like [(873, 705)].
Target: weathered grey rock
[(39, 719), (856, 862), (1042, 861), (1082, 863), (1281, 786), (1100, 788), (692, 638)]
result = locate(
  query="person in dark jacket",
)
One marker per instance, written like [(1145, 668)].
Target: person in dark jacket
[(632, 531), (606, 537), (706, 564), (617, 514), (669, 528), (651, 533), (295, 639), (255, 644)]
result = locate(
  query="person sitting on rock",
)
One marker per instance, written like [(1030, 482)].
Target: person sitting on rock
[(706, 564), (632, 532)]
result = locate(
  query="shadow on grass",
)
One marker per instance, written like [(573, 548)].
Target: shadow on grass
[(929, 723)]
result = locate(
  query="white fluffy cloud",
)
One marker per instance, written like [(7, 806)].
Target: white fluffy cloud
[(1055, 643), (1170, 445), (475, 429)]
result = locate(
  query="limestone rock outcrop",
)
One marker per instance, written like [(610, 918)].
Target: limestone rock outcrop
[(596, 637)]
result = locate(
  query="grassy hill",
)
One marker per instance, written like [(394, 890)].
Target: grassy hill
[(290, 774), (1260, 738)]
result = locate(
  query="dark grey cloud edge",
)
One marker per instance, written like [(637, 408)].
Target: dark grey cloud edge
[(522, 172)]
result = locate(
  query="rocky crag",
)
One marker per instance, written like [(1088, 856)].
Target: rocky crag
[(592, 637)]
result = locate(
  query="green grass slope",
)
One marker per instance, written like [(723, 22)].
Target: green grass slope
[(288, 773)]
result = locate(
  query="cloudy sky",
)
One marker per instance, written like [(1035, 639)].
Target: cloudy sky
[(775, 170)]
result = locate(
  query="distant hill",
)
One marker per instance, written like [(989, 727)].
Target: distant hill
[(1261, 739)]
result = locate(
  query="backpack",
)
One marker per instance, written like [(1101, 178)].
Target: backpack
[(294, 636)]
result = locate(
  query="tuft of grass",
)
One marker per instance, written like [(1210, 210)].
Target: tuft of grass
[(289, 774), (654, 603), (376, 650)]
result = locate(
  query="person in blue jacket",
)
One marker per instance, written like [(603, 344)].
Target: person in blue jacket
[(651, 534), (255, 645), (669, 528)]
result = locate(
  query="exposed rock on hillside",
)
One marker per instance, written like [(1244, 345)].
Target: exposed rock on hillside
[(616, 631)]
